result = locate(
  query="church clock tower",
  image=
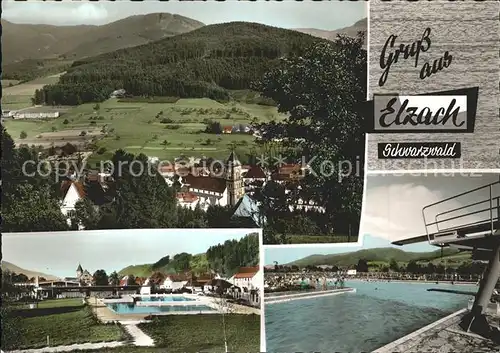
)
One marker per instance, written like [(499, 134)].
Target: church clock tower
[(234, 180)]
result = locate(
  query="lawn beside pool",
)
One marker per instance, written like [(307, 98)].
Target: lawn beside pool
[(64, 321), (204, 333)]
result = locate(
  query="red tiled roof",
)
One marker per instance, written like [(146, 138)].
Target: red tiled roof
[(289, 168), (205, 183), (247, 272), (67, 184), (177, 278), (187, 196), (255, 172), (228, 128)]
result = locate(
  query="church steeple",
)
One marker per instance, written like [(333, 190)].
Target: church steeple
[(79, 270), (234, 179)]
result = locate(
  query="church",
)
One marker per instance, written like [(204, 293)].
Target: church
[(224, 189)]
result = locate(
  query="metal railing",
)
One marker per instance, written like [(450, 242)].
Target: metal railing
[(479, 211)]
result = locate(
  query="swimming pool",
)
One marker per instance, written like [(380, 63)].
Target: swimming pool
[(124, 308), (166, 299)]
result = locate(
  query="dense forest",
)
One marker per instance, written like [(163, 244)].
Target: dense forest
[(227, 258), (202, 63)]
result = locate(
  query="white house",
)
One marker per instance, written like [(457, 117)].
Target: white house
[(187, 199), (351, 272), (248, 278), (72, 192), (174, 282)]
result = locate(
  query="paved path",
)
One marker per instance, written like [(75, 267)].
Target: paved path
[(71, 348), (442, 336), (140, 338)]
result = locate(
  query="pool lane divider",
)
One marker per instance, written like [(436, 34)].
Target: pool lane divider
[(309, 295)]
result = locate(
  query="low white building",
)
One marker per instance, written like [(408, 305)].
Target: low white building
[(250, 278), (187, 199), (20, 115), (174, 282)]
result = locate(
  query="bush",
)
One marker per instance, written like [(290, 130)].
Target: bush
[(65, 122), (23, 134)]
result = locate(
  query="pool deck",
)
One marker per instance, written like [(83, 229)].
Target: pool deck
[(442, 336), (285, 296)]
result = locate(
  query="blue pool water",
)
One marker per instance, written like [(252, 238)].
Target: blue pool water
[(377, 314), (166, 299), (121, 308)]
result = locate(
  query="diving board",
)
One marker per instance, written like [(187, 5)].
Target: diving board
[(474, 226), (476, 218)]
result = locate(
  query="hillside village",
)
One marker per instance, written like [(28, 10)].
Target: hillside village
[(201, 185), (244, 284), (211, 103)]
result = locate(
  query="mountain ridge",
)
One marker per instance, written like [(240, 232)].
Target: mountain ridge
[(374, 254), (350, 31), (5, 265)]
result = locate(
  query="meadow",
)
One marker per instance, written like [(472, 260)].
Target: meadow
[(60, 322), (16, 95), (162, 128)]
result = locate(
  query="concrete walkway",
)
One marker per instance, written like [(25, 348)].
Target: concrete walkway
[(140, 338), (71, 348), (443, 336)]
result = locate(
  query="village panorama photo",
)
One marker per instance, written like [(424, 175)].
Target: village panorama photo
[(169, 115), (107, 292)]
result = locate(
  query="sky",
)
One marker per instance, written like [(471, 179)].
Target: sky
[(393, 203), (59, 253), (327, 15)]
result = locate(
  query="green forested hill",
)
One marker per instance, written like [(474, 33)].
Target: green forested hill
[(370, 255), (202, 63), (224, 258)]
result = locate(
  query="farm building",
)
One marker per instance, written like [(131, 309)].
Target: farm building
[(41, 115)]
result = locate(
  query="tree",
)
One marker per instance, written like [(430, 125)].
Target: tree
[(131, 280), (181, 262), (23, 134), (393, 265), (413, 267), (100, 278), (321, 91), (114, 279), (362, 266)]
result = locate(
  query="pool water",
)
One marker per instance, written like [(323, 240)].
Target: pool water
[(166, 299), (377, 314), (122, 308)]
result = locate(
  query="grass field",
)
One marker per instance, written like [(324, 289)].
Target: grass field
[(19, 96), (203, 333), (64, 321), (310, 239), (137, 127)]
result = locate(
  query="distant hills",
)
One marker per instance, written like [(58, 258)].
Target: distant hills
[(370, 255), (351, 31), (7, 266), (34, 50), (35, 41)]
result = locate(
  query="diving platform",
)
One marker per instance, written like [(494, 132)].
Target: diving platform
[(469, 221), (468, 226)]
